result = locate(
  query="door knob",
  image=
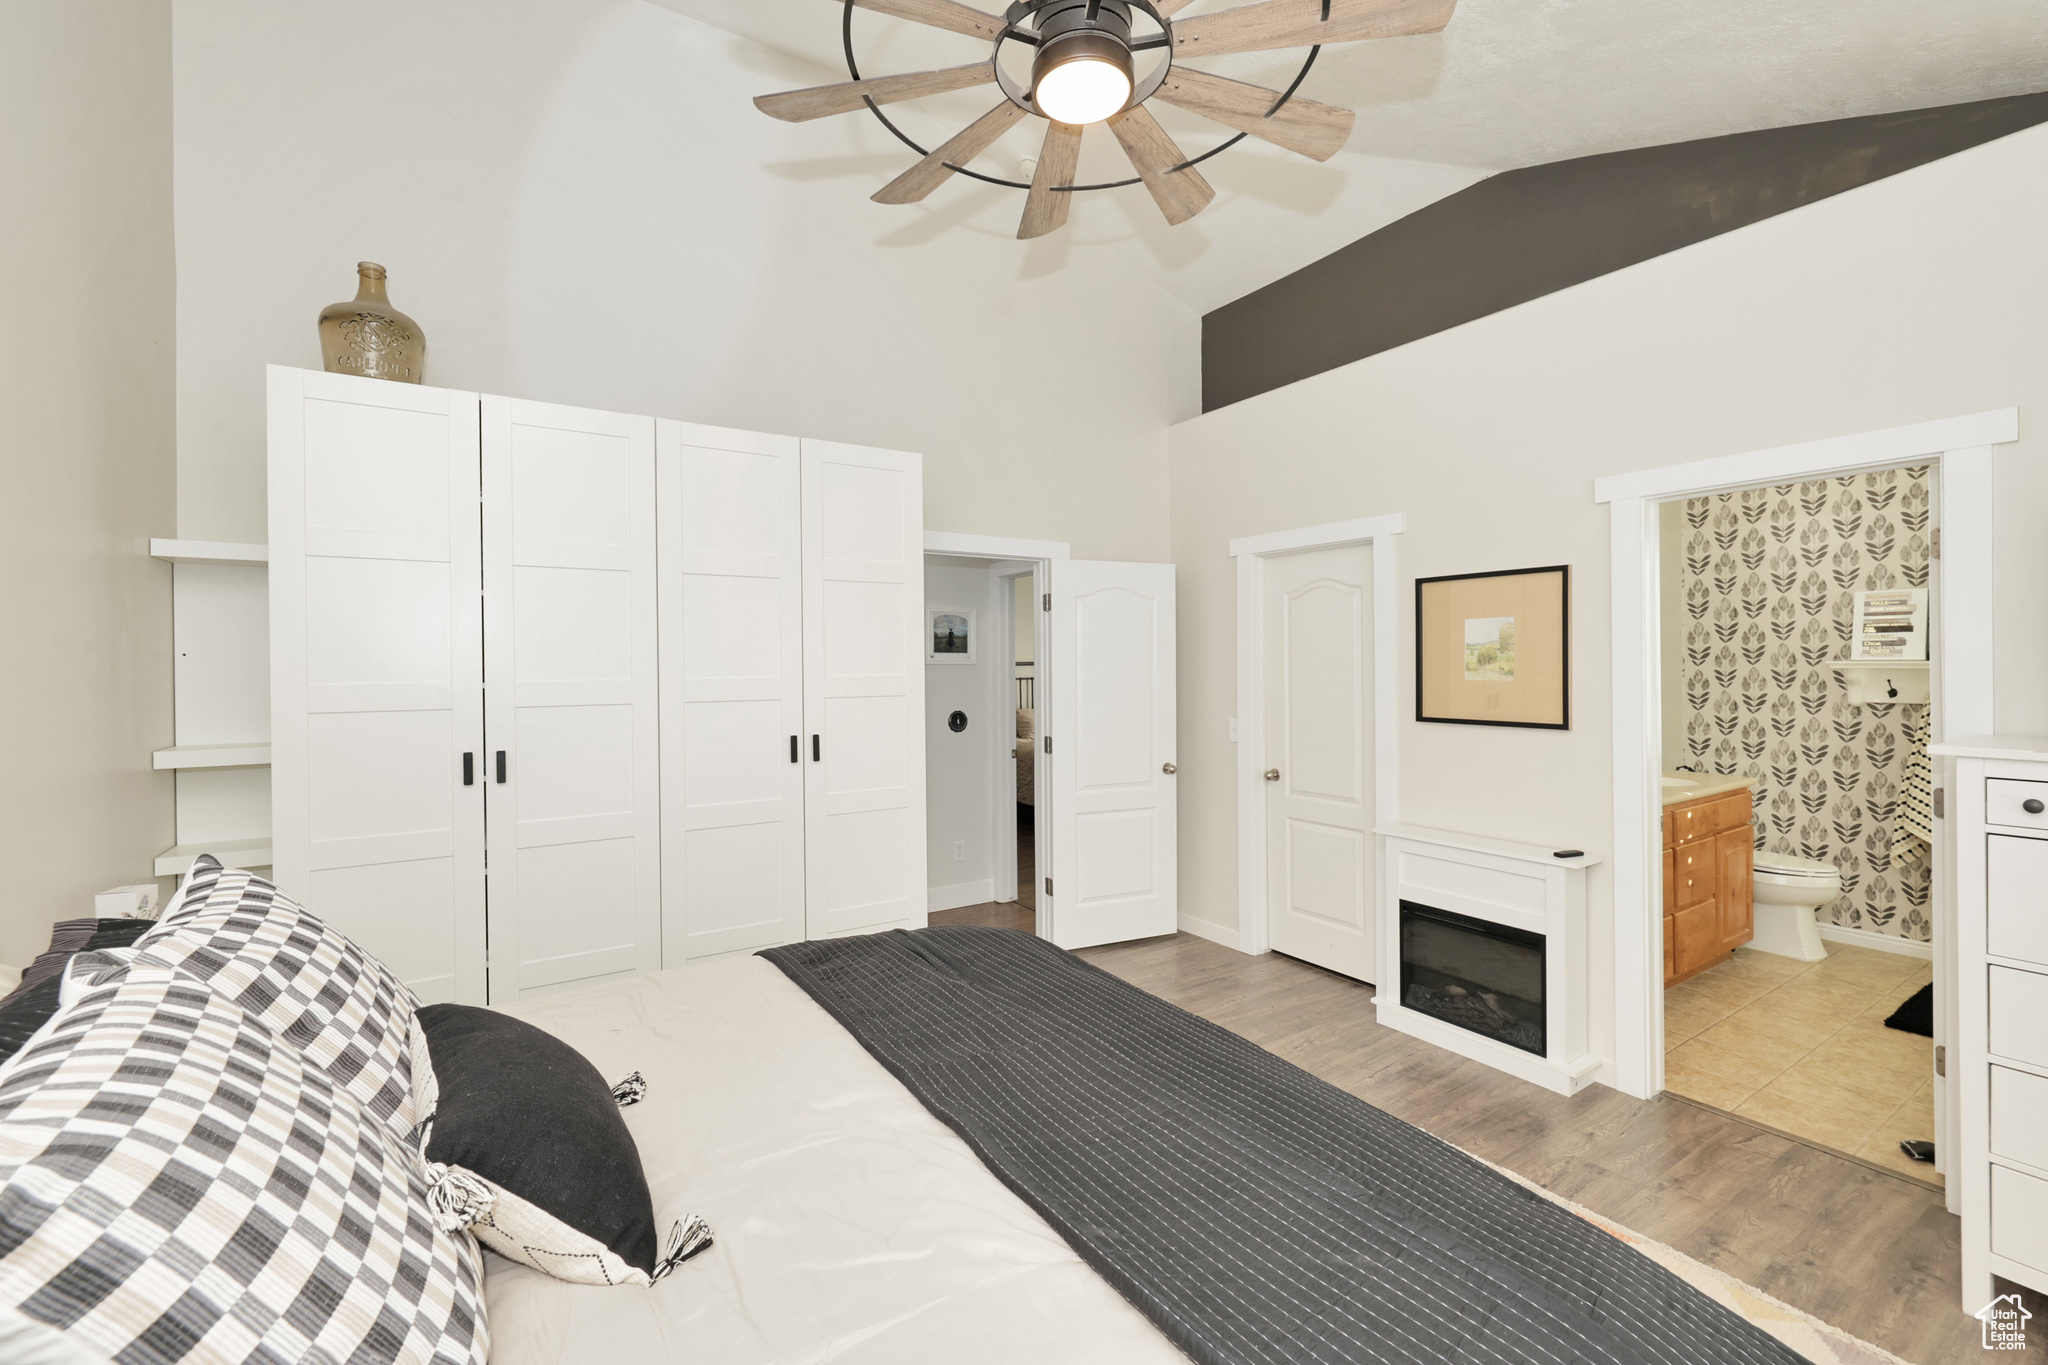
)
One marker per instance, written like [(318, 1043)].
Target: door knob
[(1169, 769), (1272, 774)]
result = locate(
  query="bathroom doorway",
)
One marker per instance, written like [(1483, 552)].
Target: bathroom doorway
[(1797, 809), (1959, 454)]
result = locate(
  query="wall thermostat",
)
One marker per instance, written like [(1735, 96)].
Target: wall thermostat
[(957, 722)]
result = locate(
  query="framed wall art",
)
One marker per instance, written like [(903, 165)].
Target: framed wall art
[(950, 636), (1495, 648)]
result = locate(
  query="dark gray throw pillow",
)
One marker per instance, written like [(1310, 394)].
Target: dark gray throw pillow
[(34, 1002), (526, 1148)]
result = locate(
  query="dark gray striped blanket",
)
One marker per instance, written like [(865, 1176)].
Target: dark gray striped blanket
[(1254, 1213)]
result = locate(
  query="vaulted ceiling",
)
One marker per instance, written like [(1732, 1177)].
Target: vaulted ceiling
[(1510, 83)]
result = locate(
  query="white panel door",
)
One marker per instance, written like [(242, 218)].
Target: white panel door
[(572, 707), (864, 826), (1319, 807), (1109, 742), (377, 670), (732, 691)]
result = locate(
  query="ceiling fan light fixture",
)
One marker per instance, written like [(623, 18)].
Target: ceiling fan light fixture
[(1082, 78)]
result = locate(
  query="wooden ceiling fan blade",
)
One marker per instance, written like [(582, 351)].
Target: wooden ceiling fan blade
[(821, 101), (946, 14), (1317, 131), (1180, 194), (1046, 207), (1298, 23), (927, 175)]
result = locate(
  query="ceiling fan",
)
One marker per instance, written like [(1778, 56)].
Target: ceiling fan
[(1085, 71)]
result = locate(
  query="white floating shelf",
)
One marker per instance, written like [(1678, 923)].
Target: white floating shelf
[(214, 756), (210, 552), (1869, 681), (176, 862)]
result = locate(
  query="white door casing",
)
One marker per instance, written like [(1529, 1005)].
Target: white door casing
[(570, 628), (1319, 719), (377, 669), (734, 749), (1110, 750), (863, 738)]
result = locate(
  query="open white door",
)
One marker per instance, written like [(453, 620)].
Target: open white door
[(572, 709), (1108, 738)]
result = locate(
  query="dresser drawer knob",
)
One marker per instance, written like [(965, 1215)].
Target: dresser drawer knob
[(2032, 805)]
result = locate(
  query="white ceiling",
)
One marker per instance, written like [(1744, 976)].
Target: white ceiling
[(1510, 83)]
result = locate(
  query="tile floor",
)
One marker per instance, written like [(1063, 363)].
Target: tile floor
[(1802, 1047)]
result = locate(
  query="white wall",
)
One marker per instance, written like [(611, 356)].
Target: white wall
[(578, 202), (86, 424), (1913, 298), (960, 769)]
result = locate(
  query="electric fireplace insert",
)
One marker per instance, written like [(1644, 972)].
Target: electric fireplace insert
[(1486, 978)]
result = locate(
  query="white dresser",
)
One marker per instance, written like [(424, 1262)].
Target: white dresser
[(1999, 807)]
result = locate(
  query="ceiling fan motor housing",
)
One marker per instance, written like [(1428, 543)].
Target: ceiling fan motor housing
[(1080, 30)]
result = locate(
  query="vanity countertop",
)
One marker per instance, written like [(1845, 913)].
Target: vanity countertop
[(1701, 785)]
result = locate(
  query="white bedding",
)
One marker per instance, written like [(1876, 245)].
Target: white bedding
[(853, 1227)]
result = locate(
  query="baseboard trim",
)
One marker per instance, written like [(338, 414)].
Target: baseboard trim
[(960, 894), (1884, 943), (1215, 933)]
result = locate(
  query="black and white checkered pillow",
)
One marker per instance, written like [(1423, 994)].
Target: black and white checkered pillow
[(179, 1186), (339, 1007)]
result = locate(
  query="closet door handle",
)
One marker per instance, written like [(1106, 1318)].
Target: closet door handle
[(469, 770), (796, 745), (501, 766), (817, 753)]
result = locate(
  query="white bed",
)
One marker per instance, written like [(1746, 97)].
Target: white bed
[(852, 1226)]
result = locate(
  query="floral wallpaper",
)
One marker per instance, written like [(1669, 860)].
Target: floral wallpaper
[(1769, 582)]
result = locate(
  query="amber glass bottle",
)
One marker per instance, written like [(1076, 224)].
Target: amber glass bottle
[(368, 337)]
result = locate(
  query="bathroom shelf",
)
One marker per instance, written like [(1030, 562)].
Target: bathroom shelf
[(176, 862), (1869, 681), (210, 552), (184, 756)]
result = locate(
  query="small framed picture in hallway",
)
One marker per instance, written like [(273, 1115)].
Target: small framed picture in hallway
[(1495, 648), (951, 636)]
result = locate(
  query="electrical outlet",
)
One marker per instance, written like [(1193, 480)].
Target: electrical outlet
[(960, 851)]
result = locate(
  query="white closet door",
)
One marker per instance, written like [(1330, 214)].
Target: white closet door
[(732, 695), (864, 654), (572, 703), (1319, 709), (377, 670), (1109, 741)]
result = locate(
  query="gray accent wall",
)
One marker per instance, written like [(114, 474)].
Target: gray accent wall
[(1527, 233)]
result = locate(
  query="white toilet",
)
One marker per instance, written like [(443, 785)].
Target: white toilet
[(1788, 891)]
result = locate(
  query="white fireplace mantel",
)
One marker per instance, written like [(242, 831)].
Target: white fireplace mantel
[(1520, 886)]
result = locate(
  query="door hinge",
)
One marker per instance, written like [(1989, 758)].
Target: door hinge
[(1048, 743), (1048, 886), (1941, 803), (1941, 1061), (1048, 602), (1934, 549)]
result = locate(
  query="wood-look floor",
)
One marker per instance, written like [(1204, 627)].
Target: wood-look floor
[(1872, 1253)]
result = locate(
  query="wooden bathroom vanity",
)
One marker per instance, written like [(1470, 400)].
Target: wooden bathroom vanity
[(1709, 908)]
